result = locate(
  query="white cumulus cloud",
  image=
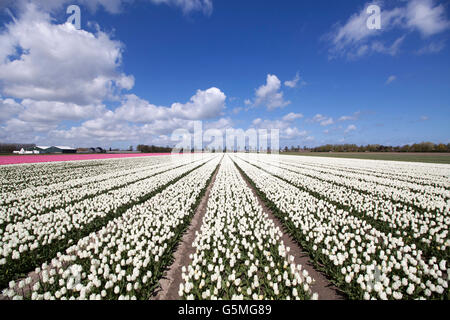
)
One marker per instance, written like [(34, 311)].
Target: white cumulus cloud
[(351, 39), (9, 108), (287, 131), (295, 82), (205, 104), (55, 62), (350, 128), (270, 95), (323, 120), (292, 116)]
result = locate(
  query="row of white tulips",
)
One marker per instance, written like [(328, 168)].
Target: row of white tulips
[(93, 175), (428, 228), (126, 258), (41, 236), (363, 261), (30, 205), (239, 250), (426, 197), (17, 177), (376, 181), (420, 173)]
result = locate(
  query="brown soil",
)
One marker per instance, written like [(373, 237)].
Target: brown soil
[(325, 289), (170, 282)]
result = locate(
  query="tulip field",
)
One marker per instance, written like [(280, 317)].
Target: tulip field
[(112, 228)]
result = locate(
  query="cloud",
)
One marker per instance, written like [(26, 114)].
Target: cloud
[(424, 118), (428, 19), (287, 132), (102, 129), (117, 6), (221, 124), (354, 117), (292, 133), (9, 108), (138, 120), (269, 94), (294, 82), (391, 79), (55, 62), (188, 6), (157, 120), (54, 111), (350, 128), (292, 116), (327, 122), (352, 38), (16, 130), (350, 34), (392, 50), (236, 110), (205, 104), (433, 47), (323, 120), (111, 6), (53, 73)]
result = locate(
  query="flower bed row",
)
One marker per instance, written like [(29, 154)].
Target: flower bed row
[(239, 251), (380, 180), (427, 229), (435, 175), (26, 244), (422, 197), (58, 197), (126, 258), (32, 176), (363, 261), (94, 173)]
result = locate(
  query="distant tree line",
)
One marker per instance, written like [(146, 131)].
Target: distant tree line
[(10, 147), (153, 149), (417, 147)]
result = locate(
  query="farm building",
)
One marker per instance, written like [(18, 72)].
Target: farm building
[(54, 149), (98, 150), (23, 151)]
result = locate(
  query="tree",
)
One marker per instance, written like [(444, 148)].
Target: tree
[(153, 149), (10, 147), (441, 148), (417, 147)]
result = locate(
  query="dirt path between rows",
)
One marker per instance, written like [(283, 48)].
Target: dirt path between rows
[(170, 282), (323, 286)]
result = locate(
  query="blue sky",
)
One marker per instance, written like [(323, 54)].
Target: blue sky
[(347, 84)]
